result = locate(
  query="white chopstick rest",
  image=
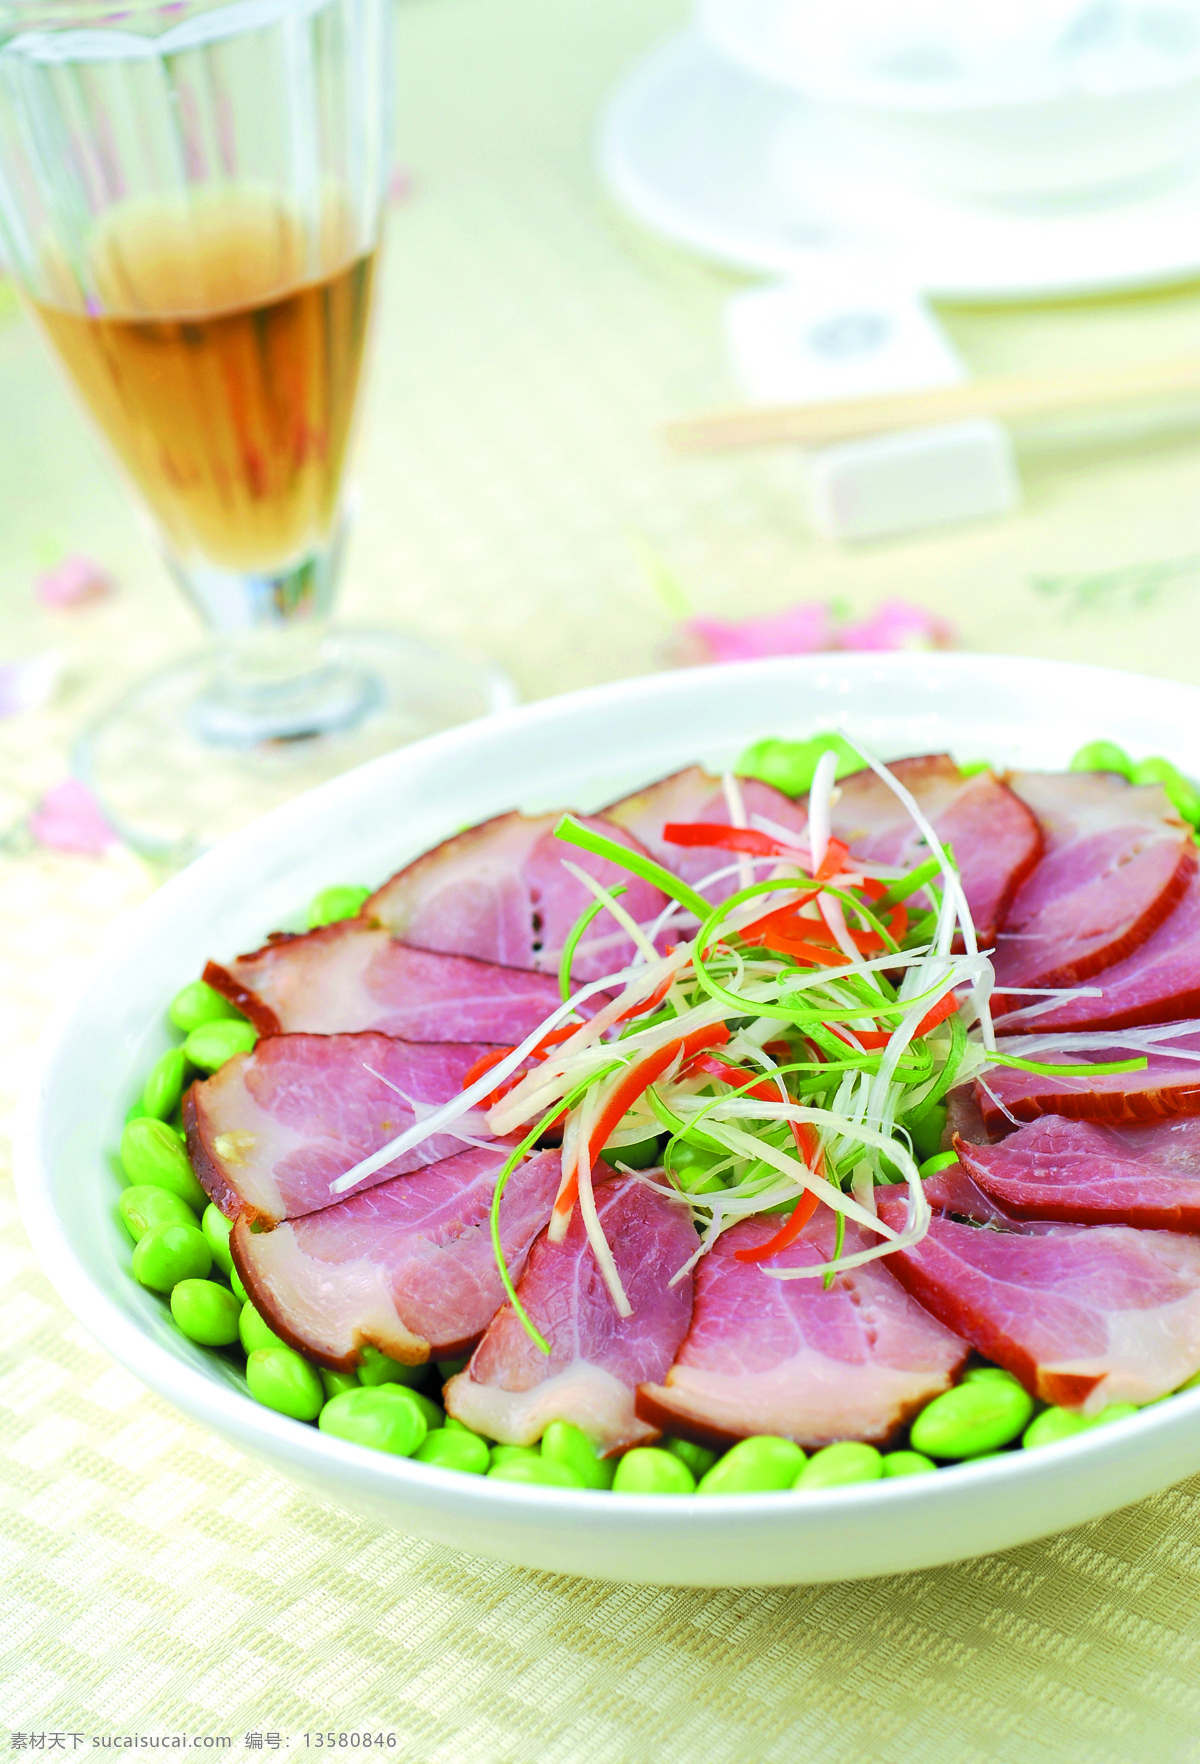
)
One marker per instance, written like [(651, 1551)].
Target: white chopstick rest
[(854, 328)]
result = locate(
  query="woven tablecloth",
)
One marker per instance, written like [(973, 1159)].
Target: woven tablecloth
[(155, 1581)]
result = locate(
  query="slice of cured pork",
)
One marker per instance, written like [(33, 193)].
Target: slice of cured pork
[(499, 892), (352, 976), (407, 1266), (1158, 983), (1117, 861), (1166, 1088), (1084, 1173), (996, 840), (270, 1131), (695, 795), (511, 1391), (1083, 1315), (786, 1357)]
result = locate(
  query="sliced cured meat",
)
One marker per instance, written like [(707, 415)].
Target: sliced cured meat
[(1117, 860), (695, 795), (786, 1357), (963, 1117), (270, 1131), (1083, 1315), (996, 840), (1158, 983), (1084, 1173), (512, 1391), (499, 892), (407, 1266), (1166, 1088), (352, 976), (954, 1191)]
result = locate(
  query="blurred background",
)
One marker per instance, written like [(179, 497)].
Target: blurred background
[(604, 219)]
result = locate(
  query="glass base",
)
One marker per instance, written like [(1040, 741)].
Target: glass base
[(174, 769)]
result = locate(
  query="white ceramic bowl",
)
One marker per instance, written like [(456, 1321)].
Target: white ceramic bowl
[(1008, 134), (580, 750)]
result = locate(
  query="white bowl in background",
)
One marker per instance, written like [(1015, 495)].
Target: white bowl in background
[(580, 750), (1045, 131)]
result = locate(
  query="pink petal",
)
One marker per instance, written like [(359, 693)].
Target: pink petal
[(897, 624), (68, 818), (74, 582), (400, 185), (798, 630)]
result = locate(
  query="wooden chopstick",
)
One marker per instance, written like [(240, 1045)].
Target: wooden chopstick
[(1011, 398)]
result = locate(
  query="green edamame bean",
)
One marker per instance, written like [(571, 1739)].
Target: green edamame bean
[(135, 1110), (564, 1443), (151, 1154), (1114, 1412), (1191, 1383), (638, 1157), (142, 1207), (167, 1254), (649, 1470), (435, 1416), (926, 1131), (847, 1461), (375, 1368), (977, 1416), (1180, 791), (691, 1166), (1052, 1425), (970, 768), (197, 1003), (1101, 756), (698, 1458), (505, 1454), (457, 1426), (163, 1089), (939, 1161), (448, 1369), (757, 1464), (791, 765), (545, 1472), (216, 1227), (386, 1418), (342, 901), (906, 1464), (235, 1281), (334, 1383), (209, 1046), (980, 1374), (451, 1450), (206, 1312), (255, 1332), (282, 1379)]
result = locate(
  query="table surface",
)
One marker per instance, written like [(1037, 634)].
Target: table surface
[(155, 1580)]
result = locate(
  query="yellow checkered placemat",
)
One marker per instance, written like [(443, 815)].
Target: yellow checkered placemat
[(155, 1583)]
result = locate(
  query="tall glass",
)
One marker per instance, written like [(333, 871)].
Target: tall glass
[(191, 198)]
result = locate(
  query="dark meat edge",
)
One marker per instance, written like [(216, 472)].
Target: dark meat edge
[(1182, 1219), (1156, 913), (650, 1407), (211, 1178), (1067, 1389), (265, 1019), (1114, 1107), (267, 1310)]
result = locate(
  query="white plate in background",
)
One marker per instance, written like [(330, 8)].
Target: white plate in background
[(750, 175), (582, 750)]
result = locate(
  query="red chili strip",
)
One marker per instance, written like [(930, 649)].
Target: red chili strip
[(636, 1079), (808, 1143), (486, 1061), (803, 1211), (648, 1004), (716, 833)]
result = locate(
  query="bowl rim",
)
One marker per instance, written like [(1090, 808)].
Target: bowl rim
[(290, 1444)]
